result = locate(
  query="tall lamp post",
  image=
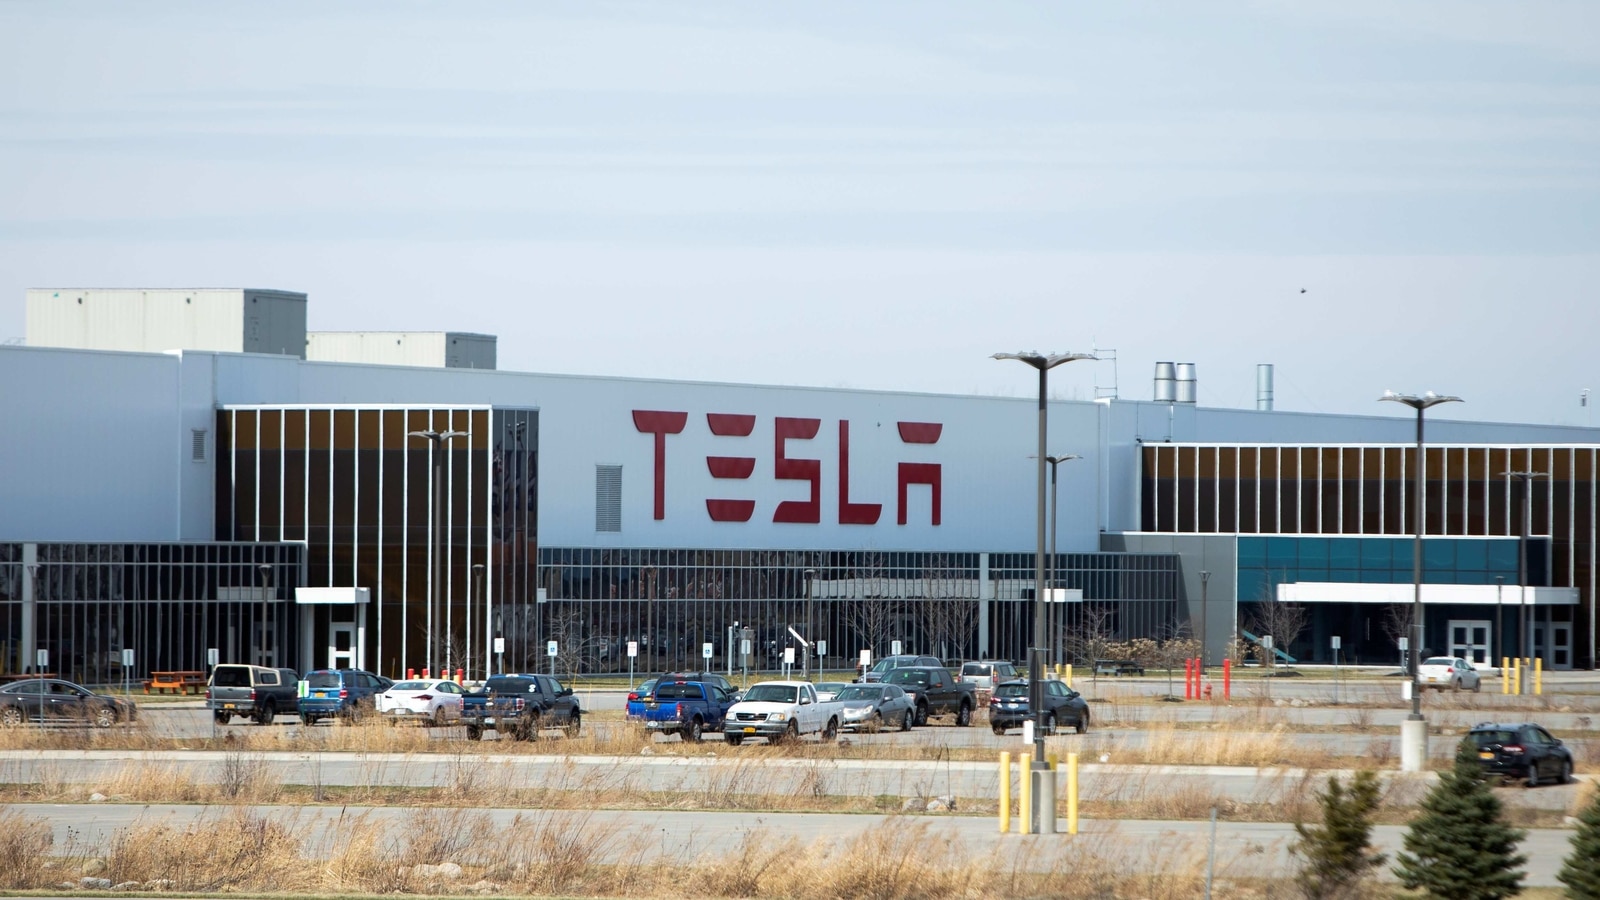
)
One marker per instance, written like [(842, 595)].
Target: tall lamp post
[(266, 586), (477, 579), (811, 623), (1525, 526), (1499, 618), (1055, 613), (1205, 584), (1414, 730), (1043, 819), (437, 439)]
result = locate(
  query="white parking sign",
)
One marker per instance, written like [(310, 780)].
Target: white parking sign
[(705, 650), (549, 648)]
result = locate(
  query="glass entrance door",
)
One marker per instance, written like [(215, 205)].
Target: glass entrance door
[(1470, 639)]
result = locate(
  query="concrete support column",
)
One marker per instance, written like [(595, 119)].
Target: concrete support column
[(1413, 745), (1044, 798), (985, 594), (29, 639)]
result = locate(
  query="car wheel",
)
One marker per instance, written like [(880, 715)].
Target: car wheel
[(1049, 723), (791, 735), (1455, 685), (11, 716), (222, 718), (1533, 774), (997, 729), (1566, 772), (964, 714), (905, 719), (307, 720), (266, 714), (830, 730), (922, 714), (438, 717), (695, 732), (574, 725), (474, 733), (733, 740), (1083, 722), (528, 730), (105, 717)]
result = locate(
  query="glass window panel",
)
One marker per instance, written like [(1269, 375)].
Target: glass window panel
[(1313, 552), (1472, 556), (1439, 556), (1343, 576), (1501, 557), (1344, 554), (1282, 552), (1376, 553), (1253, 552)]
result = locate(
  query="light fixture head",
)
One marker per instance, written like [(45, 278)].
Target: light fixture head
[(1043, 360), (1419, 402)]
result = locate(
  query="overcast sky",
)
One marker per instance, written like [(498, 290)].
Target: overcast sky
[(1369, 195)]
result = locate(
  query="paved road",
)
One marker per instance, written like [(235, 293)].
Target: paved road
[(713, 779), (1251, 849), (1346, 731)]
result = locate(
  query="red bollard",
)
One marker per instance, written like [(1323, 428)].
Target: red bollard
[(460, 675), (425, 675), (411, 674), (1227, 679), (1208, 692), (1188, 679)]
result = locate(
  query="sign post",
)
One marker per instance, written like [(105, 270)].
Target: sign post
[(866, 663), (706, 651), (500, 655), (822, 651), (896, 648), (1336, 670), (41, 658), (127, 664), (550, 648), (633, 654), (788, 661)]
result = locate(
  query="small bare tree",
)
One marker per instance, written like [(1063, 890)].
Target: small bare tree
[(1284, 621), (1094, 637), (1397, 623)]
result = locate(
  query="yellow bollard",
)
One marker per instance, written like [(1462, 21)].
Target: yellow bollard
[(1538, 675), (1516, 675), (1068, 678), (1025, 799), (1054, 759), (1072, 793), (1005, 791), (1505, 674)]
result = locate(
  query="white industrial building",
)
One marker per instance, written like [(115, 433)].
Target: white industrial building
[(179, 472)]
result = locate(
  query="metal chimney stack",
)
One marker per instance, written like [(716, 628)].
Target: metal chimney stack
[(1166, 390), (1188, 387), (1264, 387)]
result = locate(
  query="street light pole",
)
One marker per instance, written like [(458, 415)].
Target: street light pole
[(1524, 526), (1044, 363), (1414, 731), (477, 578), (1054, 613), (1499, 617), (266, 585), (437, 440), (811, 622), (1205, 583)]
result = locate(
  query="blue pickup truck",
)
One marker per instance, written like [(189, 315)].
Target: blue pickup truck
[(520, 706), (638, 697), (685, 708)]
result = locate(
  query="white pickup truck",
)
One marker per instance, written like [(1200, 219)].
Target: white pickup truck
[(781, 711)]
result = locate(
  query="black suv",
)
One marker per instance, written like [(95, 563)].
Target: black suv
[(1522, 750), (1009, 708)]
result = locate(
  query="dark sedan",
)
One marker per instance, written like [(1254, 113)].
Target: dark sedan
[(1062, 706), (1522, 750), (56, 702)]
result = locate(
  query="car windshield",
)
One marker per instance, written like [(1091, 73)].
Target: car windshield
[(907, 676), (977, 669), (410, 686), (1012, 690), (1438, 661), (1501, 736), (861, 692), (323, 679), (512, 686), (679, 691), (771, 693), (883, 665)]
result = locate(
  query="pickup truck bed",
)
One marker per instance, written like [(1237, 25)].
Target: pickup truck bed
[(686, 708)]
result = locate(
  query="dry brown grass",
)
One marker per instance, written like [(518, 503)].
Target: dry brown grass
[(570, 854)]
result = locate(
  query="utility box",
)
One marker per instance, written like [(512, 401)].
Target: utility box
[(436, 349)]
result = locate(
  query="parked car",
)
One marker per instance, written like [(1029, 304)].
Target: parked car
[(935, 692), (427, 702), (1451, 672), (57, 702), (254, 692), (346, 693), (889, 663), (520, 706), (638, 696), (829, 690), (873, 707), (686, 707), (1522, 750), (781, 711), (983, 675), (1010, 707)]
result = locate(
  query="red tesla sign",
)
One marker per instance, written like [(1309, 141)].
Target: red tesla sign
[(661, 424)]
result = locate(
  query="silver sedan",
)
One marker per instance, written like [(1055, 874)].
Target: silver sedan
[(872, 707)]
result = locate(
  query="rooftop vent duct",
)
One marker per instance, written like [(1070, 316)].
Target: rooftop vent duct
[(1264, 387), (1186, 383), (1166, 390)]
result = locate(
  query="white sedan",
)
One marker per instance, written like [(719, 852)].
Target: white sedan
[(1451, 672), (434, 702)]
